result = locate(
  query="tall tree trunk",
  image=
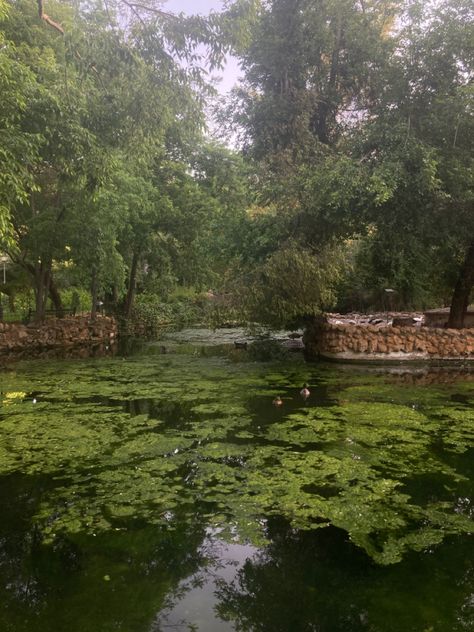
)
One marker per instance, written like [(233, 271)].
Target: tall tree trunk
[(94, 295), (39, 293), (132, 286), (42, 282), (111, 300), (55, 297), (320, 118), (462, 291)]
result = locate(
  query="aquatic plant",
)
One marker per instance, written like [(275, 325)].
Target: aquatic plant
[(155, 437)]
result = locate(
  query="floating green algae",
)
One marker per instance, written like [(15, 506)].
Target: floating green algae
[(153, 437)]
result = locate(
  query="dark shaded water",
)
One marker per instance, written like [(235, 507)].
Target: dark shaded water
[(165, 492)]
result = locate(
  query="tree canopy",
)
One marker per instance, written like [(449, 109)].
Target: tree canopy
[(353, 170), (353, 112)]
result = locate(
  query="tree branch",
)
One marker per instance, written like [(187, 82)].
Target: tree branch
[(47, 19), (144, 7)]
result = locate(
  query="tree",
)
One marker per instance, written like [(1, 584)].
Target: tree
[(17, 147), (222, 177), (84, 126), (420, 135), (307, 65), (309, 68), (145, 210), (354, 118)]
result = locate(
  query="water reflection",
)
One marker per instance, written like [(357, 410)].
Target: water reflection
[(119, 474), (146, 579), (102, 350), (196, 604), (173, 413), (117, 581), (317, 581), (416, 374)]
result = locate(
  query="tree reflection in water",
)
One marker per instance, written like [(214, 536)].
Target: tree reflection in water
[(114, 470), (308, 581), (117, 581)]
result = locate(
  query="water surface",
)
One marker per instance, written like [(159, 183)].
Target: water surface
[(164, 491)]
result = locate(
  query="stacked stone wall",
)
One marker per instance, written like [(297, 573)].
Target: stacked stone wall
[(57, 333), (352, 342)]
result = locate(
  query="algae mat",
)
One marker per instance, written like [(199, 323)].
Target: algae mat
[(172, 477)]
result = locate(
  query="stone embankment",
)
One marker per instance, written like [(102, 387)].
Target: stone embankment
[(56, 333), (387, 343)]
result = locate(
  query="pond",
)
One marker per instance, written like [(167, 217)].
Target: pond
[(162, 490)]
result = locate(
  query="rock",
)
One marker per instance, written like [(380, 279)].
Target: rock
[(403, 321), (376, 321), (363, 345), (54, 334), (372, 346)]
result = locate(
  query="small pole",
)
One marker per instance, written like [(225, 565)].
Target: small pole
[(4, 259)]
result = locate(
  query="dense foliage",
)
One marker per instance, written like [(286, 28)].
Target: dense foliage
[(355, 124), (354, 112), (107, 181)]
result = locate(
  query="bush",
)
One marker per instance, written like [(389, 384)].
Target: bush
[(292, 285), (76, 298), (150, 315)]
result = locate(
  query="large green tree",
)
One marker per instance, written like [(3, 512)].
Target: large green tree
[(311, 69), (63, 161), (419, 141), (359, 116), (99, 103), (18, 148), (308, 67)]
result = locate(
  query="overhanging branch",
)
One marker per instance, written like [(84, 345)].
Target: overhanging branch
[(47, 19), (149, 9)]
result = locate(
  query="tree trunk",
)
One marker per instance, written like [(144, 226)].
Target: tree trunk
[(462, 291), (320, 119), (39, 294), (42, 282), (132, 286), (94, 295), (55, 297), (111, 299)]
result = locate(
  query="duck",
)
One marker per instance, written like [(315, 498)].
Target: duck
[(305, 392), (277, 401)]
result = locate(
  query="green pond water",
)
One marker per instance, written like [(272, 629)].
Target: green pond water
[(164, 491)]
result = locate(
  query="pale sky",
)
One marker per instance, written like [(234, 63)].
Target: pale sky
[(191, 7)]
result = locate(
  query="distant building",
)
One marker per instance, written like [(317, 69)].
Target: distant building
[(439, 317)]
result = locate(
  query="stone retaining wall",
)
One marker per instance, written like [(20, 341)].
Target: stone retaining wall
[(56, 333), (363, 343)]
